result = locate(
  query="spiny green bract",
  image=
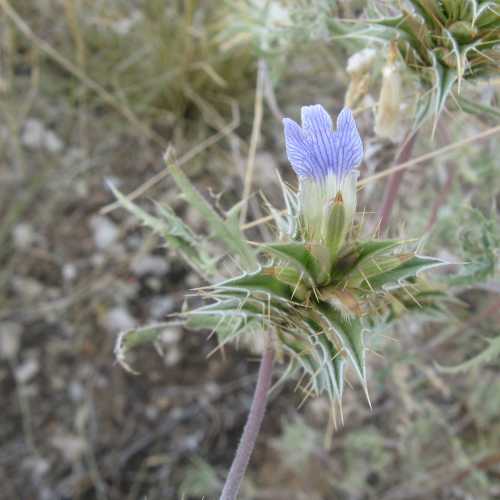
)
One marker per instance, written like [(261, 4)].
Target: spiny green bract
[(314, 303), (443, 42), (317, 304)]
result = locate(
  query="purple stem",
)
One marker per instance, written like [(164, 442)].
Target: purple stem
[(394, 182), (252, 427)]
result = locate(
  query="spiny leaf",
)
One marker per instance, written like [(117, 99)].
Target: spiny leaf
[(176, 234), (408, 269), (444, 80), (350, 333), (335, 366), (260, 282), (487, 13), (372, 267), (430, 11), (227, 233), (361, 252), (130, 339), (297, 255)]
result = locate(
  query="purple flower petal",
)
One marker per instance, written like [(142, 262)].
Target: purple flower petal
[(315, 150), (297, 148), (349, 142)]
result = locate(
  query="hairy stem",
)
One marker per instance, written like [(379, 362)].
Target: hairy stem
[(395, 182), (252, 428)]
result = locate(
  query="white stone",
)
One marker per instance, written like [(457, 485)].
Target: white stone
[(10, 339), (69, 272), (52, 142), (172, 356), (23, 236), (161, 306), (124, 25), (149, 264), (32, 135), (36, 136), (119, 319), (27, 370), (105, 231), (71, 447)]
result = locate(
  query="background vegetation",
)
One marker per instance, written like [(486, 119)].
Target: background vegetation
[(92, 91)]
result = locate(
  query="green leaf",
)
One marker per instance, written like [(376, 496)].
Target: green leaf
[(430, 11), (298, 256), (257, 282), (487, 14), (230, 235), (361, 252), (350, 333), (410, 28), (335, 365), (445, 78), (406, 270), (176, 234), (372, 267), (136, 337)]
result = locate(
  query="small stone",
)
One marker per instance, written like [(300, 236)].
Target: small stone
[(28, 288), (36, 465), (71, 447), (105, 231), (76, 391), (123, 26), (69, 272), (161, 306), (149, 264), (10, 339), (33, 133), (172, 356), (27, 370), (52, 142), (119, 320), (23, 236), (36, 136)]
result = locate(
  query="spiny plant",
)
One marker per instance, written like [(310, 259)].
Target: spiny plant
[(442, 42), (314, 291)]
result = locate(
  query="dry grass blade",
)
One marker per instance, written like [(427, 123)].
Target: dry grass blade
[(428, 156), (78, 73), (257, 123), (199, 148)]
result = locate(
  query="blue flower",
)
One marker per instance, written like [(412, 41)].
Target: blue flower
[(325, 162), (315, 150)]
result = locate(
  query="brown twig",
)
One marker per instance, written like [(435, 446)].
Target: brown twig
[(394, 183)]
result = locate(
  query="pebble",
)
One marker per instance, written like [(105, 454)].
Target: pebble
[(105, 231), (71, 447), (119, 319), (36, 136), (149, 264), (23, 236), (27, 370), (161, 306), (10, 339)]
